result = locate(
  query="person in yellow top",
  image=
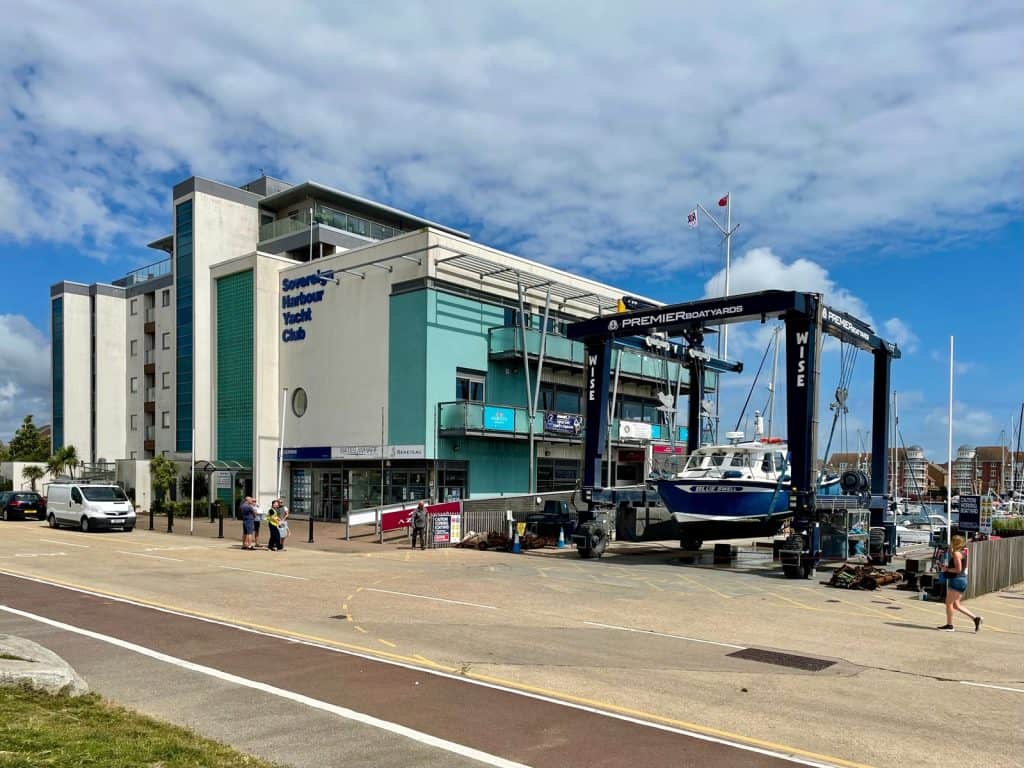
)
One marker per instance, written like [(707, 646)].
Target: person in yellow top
[(274, 523)]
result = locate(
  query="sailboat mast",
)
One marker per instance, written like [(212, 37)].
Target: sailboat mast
[(771, 386)]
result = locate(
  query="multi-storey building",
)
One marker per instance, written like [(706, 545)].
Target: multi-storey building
[(338, 350), (912, 468)]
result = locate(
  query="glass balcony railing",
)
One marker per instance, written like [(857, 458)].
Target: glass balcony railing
[(143, 274), (150, 356), (151, 432), (464, 417), (508, 342), (329, 217), (150, 314)]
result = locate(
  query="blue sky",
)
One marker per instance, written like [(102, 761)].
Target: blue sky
[(874, 152)]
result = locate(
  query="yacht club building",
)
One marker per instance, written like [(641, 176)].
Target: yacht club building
[(340, 350)]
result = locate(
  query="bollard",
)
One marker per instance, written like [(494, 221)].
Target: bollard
[(220, 524), (310, 527), (151, 517), (170, 519)]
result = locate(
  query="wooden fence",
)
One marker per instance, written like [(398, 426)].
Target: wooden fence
[(994, 565)]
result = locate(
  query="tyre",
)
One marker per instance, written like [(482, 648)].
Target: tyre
[(586, 554), (84, 524), (6, 516), (791, 571), (52, 521), (691, 544), (808, 571)]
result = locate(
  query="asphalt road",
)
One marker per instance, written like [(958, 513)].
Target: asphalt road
[(541, 659)]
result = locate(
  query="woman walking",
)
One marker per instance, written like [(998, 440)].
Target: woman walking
[(956, 583)]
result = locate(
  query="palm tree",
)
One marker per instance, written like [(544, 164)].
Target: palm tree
[(69, 457), (55, 464), (32, 473)]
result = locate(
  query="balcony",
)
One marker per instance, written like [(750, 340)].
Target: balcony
[(151, 432), (329, 217), (462, 418), (150, 356), (504, 343), (144, 274)]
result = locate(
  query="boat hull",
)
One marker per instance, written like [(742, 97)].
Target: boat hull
[(699, 500)]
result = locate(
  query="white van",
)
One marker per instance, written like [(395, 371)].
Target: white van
[(89, 507)]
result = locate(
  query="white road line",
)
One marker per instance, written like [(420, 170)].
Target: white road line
[(65, 543), (155, 557), (778, 754), (662, 634), (265, 573), (435, 599), (334, 709), (996, 687)]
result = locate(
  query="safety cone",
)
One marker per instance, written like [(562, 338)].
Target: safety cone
[(516, 549), (561, 537)]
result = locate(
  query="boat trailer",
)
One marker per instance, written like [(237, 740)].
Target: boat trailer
[(806, 318)]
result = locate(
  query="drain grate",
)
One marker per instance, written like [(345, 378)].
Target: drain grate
[(782, 659)]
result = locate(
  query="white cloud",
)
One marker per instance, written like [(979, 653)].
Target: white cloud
[(573, 138), (970, 425), (898, 331), (24, 374)]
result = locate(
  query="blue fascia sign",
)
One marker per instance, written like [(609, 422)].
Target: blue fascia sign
[(499, 419), (297, 302)]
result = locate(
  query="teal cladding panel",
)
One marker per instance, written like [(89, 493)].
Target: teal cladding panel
[(235, 367), (495, 466), (407, 366)]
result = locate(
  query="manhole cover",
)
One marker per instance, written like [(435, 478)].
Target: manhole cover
[(782, 659)]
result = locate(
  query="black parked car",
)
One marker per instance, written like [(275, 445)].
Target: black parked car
[(14, 505)]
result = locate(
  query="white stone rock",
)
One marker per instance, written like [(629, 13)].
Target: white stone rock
[(41, 668)]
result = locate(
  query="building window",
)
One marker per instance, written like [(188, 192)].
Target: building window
[(557, 474), (183, 276), (165, 297), (133, 346), (165, 379), (134, 384), (165, 340), (57, 371), (469, 385), (133, 420), (165, 419), (560, 397), (134, 306), (133, 455), (299, 402)]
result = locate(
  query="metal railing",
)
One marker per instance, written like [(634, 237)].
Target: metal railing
[(507, 341), (329, 217), (144, 274)]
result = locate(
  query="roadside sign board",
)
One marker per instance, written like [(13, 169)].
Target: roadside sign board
[(985, 521), (970, 513), (222, 480), (442, 528)]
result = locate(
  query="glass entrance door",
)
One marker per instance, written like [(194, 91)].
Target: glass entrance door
[(331, 495)]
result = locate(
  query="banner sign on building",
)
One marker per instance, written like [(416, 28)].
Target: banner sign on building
[(374, 452), (634, 430), (499, 419), (680, 449), (563, 423), (396, 519), (970, 513), (222, 480)]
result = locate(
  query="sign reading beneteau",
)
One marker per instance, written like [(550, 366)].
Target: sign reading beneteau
[(298, 294)]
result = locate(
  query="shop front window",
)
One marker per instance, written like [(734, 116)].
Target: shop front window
[(557, 475)]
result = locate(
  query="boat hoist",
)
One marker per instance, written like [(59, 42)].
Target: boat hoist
[(806, 318)]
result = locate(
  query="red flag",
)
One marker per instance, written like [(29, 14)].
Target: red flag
[(723, 202)]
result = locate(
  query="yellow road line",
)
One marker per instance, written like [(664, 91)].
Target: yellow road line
[(360, 629), (705, 586), (510, 684), (388, 643)]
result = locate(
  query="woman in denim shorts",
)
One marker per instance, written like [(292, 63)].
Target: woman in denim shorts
[(956, 583)]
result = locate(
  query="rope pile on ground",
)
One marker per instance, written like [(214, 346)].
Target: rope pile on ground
[(861, 577)]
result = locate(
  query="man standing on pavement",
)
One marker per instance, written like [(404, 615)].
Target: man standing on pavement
[(248, 511), (419, 526)]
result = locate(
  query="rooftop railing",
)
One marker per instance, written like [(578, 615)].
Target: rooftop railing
[(144, 274), (346, 222)]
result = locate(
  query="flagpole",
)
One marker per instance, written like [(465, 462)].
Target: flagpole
[(949, 445)]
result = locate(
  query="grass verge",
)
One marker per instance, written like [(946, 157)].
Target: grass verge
[(38, 730)]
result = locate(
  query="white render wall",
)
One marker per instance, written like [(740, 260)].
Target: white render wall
[(111, 366), (165, 363), (77, 374), (343, 361), (222, 230)]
